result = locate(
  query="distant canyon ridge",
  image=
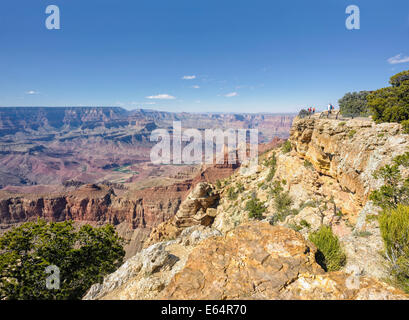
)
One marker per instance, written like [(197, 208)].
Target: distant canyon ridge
[(92, 165), (56, 145)]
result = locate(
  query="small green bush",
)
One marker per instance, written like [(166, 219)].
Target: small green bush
[(305, 223), (255, 208), (330, 254), (283, 202), (351, 133), (286, 147), (394, 225), (218, 184), (396, 189), (232, 194), (272, 163), (405, 126), (294, 226), (363, 234), (307, 164)]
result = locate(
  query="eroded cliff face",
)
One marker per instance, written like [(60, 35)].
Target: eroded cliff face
[(133, 213), (349, 153), (327, 174)]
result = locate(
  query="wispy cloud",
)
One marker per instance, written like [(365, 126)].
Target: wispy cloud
[(231, 94), (196, 87), (399, 58), (189, 77), (162, 97), (32, 92)]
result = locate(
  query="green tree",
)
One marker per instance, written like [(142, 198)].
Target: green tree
[(354, 104), (391, 104), (83, 257)]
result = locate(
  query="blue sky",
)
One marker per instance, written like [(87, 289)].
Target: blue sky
[(239, 56)]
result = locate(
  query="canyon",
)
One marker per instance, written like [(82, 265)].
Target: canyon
[(212, 249), (91, 165)]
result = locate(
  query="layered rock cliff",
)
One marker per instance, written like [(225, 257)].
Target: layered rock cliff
[(328, 177)]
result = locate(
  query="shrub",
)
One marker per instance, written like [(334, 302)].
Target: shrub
[(363, 234), (330, 254), (294, 226), (402, 160), (351, 133), (305, 223), (405, 126), (282, 201), (286, 147), (255, 208), (396, 189), (218, 184), (240, 187), (394, 225), (354, 104), (272, 163), (83, 257), (307, 164), (231, 194)]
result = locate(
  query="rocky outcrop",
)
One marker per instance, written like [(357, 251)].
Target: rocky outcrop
[(328, 176), (349, 152), (145, 275), (197, 209), (258, 261)]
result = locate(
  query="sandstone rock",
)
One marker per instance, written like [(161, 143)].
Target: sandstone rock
[(253, 261), (147, 273), (196, 209), (339, 286), (349, 152), (259, 261)]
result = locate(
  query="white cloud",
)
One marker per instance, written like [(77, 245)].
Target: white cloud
[(399, 58), (188, 77), (196, 87), (231, 94), (162, 97), (31, 92)]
